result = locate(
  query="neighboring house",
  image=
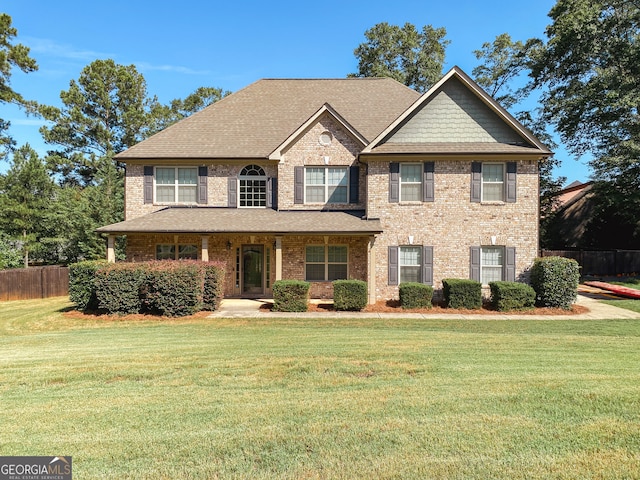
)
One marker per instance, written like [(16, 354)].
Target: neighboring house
[(358, 178)]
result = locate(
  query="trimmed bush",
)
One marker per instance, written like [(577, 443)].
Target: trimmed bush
[(462, 293), (349, 295), (82, 284), (290, 296), (174, 289), (119, 287), (213, 285), (507, 296), (555, 280), (415, 295)]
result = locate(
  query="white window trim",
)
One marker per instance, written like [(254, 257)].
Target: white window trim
[(401, 183), (252, 177), (176, 249), (400, 264), (483, 266), (326, 184), (175, 185), (326, 262), (503, 183)]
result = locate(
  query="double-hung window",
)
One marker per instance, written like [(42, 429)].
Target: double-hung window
[(325, 263), (491, 264), (410, 182), (493, 182), (176, 184), (410, 264), (176, 252), (326, 185)]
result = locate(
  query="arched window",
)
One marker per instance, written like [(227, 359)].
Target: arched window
[(253, 187)]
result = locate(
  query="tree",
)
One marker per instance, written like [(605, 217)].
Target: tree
[(25, 194), (590, 68), (11, 56), (412, 57)]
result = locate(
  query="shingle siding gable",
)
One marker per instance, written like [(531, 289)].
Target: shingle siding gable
[(455, 114)]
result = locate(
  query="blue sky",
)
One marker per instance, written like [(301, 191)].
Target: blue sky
[(180, 46)]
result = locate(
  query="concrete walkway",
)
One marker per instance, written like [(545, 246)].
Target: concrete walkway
[(587, 297)]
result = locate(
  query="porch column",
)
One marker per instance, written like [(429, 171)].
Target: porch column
[(111, 251), (371, 270), (204, 254), (278, 251)]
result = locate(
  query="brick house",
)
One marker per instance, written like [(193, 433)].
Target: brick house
[(358, 178)]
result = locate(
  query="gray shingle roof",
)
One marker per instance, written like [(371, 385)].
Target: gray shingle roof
[(254, 121), (206, 220)]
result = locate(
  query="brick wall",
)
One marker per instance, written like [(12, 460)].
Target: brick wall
[(452, 223)]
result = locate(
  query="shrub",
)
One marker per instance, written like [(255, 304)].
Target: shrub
[(175, 289), (462, 293), (415, 295), (213, 285), (82, 284), (119, 287), (507, 296), (555, 280), (349, 295), (290, 296)]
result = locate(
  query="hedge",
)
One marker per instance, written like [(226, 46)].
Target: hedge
[(290, 296), (462, 293), (555, 280), (415, 295), (507, 296), (120, 287), (174, 289), (213, 285), (350, 295), (82, 284)]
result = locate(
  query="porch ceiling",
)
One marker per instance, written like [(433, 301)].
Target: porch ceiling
[(203, 220)]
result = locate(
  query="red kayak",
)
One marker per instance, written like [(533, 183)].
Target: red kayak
[(617, 289)]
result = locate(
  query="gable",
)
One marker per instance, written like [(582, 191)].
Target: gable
[(454, 114)]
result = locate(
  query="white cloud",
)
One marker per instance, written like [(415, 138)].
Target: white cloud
[(44, 46), (146, 67)]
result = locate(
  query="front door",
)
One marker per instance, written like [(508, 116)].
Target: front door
[(252, 270)]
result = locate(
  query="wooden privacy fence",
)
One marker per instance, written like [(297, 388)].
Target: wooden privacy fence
[(34, 282), (601, 262)]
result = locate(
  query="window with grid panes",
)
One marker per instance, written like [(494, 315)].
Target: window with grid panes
[(411, 182), (410, 263), (176, 252), (176, 184), (326, 185), (492, 182), (253, 187), (326, 263), (491, 264)]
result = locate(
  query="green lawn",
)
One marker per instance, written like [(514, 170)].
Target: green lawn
[(298, 398)]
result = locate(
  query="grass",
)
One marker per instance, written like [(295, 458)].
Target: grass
[(631, 282), (321, 398)]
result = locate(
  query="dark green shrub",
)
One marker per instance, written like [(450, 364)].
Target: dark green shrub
[(213, 285), (462, 293), (555, 280), (415, 295), (290, 296), (119, 287), (349, 295), (507, 296), (174, 289), (82, 284)]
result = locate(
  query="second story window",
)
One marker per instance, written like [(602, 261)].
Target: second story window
[(410, 182), (253, 187), (176, 184), (326, 185), (493, 182)]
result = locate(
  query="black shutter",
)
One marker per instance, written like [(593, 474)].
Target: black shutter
[(148, 184), (203, 176), (512, 170), (232, 192), (474, 264), (354, 184), (428, 194), (393, 266), (510, 265), (298, 185), (427, 265), (394, 182), (272, 193), (476, 182)]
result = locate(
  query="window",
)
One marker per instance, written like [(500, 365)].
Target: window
[(410, 264), (253, 187), (176, 185), (491, 264), (410, 182), (492, 182), (176, 252), (325, 263), (326, 185)]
